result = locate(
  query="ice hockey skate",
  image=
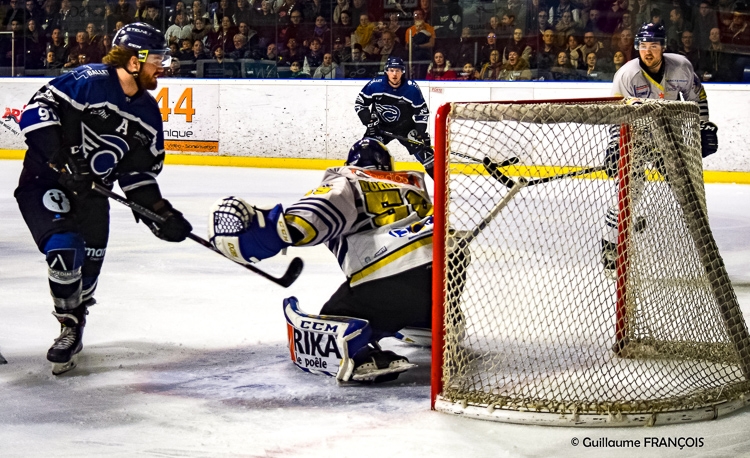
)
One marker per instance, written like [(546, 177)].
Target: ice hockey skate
[(376, 365), (63, 354)]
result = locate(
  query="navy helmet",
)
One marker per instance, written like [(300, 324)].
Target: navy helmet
[(651, 33), (395, 62), (144, 40), (370, 153)]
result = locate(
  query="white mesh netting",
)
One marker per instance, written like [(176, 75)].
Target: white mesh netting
[(534, 321)]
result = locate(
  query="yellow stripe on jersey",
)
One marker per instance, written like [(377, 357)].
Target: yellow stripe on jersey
[(307, 229), (372, 268), (653, 81)]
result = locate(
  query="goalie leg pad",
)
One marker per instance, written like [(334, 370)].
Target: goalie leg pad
[(322, 344)]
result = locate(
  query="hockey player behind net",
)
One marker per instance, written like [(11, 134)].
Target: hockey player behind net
[(378, 223), (660, 76), (96, 124)]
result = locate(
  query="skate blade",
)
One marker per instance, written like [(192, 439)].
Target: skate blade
[(61, 368), (395, 367)]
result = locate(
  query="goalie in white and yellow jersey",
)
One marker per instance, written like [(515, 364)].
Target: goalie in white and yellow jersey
[(378, 223)]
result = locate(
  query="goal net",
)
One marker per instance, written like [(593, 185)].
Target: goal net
[(537, 327)]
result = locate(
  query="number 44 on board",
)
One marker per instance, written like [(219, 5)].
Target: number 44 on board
[(184, 104)]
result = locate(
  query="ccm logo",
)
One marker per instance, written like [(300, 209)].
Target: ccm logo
[(317, 326)]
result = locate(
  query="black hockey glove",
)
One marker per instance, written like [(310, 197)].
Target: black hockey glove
[(709, 139), (373, 131), (74, 169), (175, 228)]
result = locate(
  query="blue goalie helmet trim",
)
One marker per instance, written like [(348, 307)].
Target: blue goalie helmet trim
[(370, 153)]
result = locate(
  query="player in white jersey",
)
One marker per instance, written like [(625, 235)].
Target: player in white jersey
[(654, 75), (378, 223)]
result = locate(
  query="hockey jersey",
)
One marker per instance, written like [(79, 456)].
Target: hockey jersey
[(399, 110), (377, 223), (121, 137), (679, 79)]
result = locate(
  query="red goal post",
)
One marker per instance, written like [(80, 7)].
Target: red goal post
[(527, 327)]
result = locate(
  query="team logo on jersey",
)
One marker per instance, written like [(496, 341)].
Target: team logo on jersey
[(103, 151), (388, 113), (56, 201), (642, 91)]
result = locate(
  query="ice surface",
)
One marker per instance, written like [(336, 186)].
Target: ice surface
[(185, 352)]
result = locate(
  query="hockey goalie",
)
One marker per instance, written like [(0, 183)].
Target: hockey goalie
[(378, 224)]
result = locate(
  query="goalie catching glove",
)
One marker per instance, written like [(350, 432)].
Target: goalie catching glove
[(247, 234)]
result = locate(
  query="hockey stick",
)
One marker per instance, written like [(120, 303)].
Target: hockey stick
[(291, 274), (492, 167), (417, 142), (514, 189)]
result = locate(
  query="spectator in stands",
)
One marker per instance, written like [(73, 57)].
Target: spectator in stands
[(426, 7), (322, 32), (185, 50), (490, 45), (394, 26), (14, 12), (179, 30), (140, 13), (547, 54), (265, 23), (440, 68), (292, 52), (420, 38), (52, 63), (57, 45), (32, 11), (516, 69), (272, 53), (492, 69), (241, 48), (315, 53), (390, 49), (611, 17), (656, 16), (297, 71), (69, 19), (357, 66), (344, 29), (469, 73), (575, 53), (618, 59), (541, 24), (200, 31), (283, 9), (80, 46), (564, 27), (313, 9), (466, 49), (50, 18), (704, 21), (328, 70), (219, 55), (689, 50), (223, 38), (179, 7), (537, 18), (594, 23), (199, 52), (448, 22), (253, 40), (153, 16), (215, 17), (564, 6), (174, 69), (626, 23), (341, 6), (364, 33), (592, 45), (562, 70), (518, 9), (716, 62), (295, 28), (518, 45), (677, 25), (642, 12), (737, 35), (36, 45), (340, 54), (625, 43), (593, 72), (243, 12), (197, 11)]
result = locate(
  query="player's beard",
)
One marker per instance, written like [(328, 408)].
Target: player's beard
[(148, 80)]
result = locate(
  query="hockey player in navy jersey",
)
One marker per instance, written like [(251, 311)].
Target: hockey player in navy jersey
[(96, 124), (654, 75), (378, 223), (390, 103)]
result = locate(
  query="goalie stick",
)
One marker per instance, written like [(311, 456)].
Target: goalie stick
[(291, 274), (493, 168)]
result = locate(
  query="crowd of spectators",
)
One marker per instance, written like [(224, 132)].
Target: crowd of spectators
[(568, 40)]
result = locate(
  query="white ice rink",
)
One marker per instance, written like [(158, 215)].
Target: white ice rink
[(184, 353)]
